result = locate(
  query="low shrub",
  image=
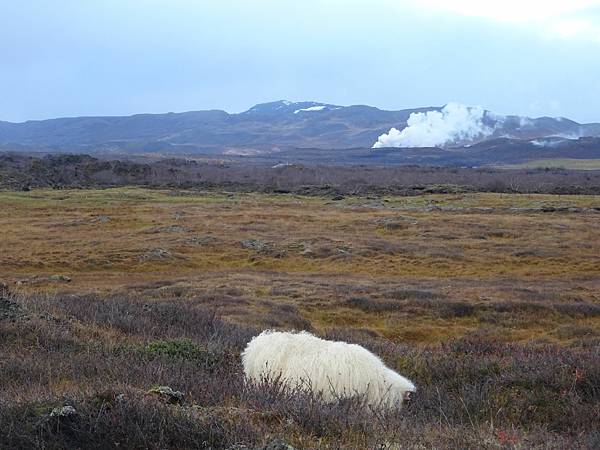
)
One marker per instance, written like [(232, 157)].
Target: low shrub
[(473, 392)]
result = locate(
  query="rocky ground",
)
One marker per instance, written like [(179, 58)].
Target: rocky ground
[(317, 174)]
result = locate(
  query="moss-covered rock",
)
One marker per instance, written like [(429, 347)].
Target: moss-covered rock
[(167, 394)]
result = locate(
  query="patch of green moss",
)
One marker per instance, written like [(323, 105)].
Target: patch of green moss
[(182, 349)]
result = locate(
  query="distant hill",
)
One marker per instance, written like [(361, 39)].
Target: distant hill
[(285, 128), (265, 127)]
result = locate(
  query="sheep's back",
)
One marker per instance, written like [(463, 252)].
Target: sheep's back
[(334, 368)]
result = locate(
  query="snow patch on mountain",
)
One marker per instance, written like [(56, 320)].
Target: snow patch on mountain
[(312, 108)]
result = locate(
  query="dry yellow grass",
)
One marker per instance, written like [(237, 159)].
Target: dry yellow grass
[(474, 248)]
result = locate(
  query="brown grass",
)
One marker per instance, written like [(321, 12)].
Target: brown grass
[(474, 249), (490, 302)]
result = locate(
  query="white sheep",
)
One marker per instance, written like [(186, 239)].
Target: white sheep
[(334, 369)]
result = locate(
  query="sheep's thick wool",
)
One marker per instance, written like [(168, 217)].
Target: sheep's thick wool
[(334, 369)]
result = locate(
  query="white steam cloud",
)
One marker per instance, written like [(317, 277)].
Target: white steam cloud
[(454, 123)]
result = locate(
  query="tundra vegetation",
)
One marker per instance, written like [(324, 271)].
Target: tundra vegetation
[(125, 311)]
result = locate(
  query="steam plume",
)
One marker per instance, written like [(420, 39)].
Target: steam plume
[(454, 123)]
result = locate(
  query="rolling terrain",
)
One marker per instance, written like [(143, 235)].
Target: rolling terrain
[(303, 131), (133, 276), (489, 302)]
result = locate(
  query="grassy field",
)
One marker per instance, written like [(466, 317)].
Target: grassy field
[(563, 163), (489, 302)]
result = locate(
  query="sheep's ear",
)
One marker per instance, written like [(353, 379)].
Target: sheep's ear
[(407, 396)]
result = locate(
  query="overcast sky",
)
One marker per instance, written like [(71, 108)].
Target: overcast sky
[(118, 57)]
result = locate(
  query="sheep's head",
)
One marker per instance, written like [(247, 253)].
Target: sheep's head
[(401, 388)]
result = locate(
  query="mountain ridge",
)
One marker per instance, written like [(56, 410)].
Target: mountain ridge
[(266, 128)]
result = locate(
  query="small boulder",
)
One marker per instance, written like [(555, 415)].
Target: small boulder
[(59, 278), (100, 219), (255, 244), (200, 240), (167, 394), (175, 229), (156, 255), (63, 411), (263, 248), (63, 415), (161, 253)]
